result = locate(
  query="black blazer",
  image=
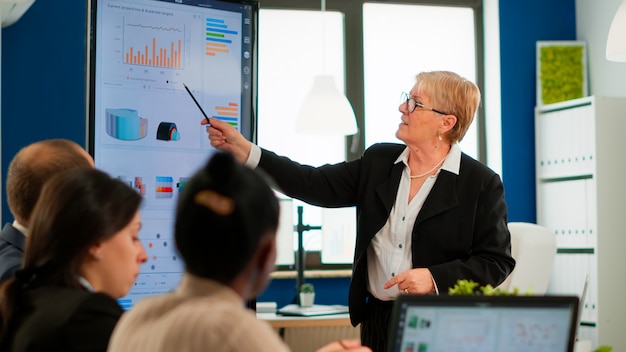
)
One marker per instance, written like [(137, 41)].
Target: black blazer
[(12, 244), (460, 233), (62, 319)]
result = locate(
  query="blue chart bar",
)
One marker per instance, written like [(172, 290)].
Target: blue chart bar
[(225, 31), (218, 36), (227, 119), (219, 40), (215, 21), (125, 303)]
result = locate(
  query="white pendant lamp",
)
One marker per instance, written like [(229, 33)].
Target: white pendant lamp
[(616, 41), (326, 110)]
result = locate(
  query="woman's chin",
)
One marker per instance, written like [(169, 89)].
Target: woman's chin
[(400, 132)]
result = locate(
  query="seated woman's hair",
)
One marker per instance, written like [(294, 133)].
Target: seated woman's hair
[(77, 209), (223, 212)]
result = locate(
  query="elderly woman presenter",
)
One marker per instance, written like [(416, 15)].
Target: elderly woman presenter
[(428, 214)]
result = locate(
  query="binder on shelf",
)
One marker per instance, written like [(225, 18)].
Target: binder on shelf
[(591, 309), (568, 278), (566, 142), (564, 210), (592, 216)]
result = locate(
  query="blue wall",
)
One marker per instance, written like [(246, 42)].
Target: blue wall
[(43, 96), (43, 78), (522, 23), (327, 291)]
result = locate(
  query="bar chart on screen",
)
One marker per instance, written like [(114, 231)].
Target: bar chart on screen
[(153, 45), (157, 68)]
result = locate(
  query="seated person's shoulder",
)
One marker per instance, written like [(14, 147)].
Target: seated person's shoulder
[(75, 318), (213, 324), (66, 304)]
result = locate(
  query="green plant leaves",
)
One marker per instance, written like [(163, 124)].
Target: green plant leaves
[(561, 74), (471, 288)]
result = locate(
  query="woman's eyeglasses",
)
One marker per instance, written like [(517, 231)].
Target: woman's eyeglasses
[(412, 104)]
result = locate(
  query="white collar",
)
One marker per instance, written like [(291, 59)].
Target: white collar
[(451, 164), (21, 228), (86, 284)]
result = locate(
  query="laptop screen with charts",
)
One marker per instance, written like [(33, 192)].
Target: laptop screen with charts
[(483, 323)]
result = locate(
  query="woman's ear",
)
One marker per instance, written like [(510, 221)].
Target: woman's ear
[(448, 122), (95, 252)]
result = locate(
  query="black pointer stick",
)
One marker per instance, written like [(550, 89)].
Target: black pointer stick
[(198, 104)]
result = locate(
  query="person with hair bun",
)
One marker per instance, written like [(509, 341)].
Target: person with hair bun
[(225, 231), (82, 253)]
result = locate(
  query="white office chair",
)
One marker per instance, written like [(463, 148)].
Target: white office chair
[(533, 247)]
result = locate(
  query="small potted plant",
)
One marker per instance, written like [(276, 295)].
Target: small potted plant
[(307, 295)]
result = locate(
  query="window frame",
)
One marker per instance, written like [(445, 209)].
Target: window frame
[(354, 73), (353, 12)]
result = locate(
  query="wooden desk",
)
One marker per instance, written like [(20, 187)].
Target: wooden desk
[(307, 334), (282, 321)]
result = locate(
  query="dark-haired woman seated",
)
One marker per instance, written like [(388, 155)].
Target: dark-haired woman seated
[(82, 253)]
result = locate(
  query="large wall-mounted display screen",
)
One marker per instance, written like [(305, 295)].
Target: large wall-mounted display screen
[(144, 126)]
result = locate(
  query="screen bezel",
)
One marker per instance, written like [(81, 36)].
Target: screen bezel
[(405, 302), (249, 130), (247, 126)]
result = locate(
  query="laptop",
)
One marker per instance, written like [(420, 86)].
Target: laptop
[(483, 323)]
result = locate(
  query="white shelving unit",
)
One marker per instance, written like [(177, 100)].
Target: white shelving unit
[(581, 196)]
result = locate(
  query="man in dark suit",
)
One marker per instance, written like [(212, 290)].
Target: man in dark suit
[(427, 214), (27, 173)]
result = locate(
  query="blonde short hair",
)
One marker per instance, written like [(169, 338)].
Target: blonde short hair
[(453, 95)]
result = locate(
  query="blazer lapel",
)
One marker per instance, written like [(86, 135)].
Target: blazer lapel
[(442, 197), (388, 190)]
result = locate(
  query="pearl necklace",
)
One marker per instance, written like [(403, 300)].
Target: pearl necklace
[(429, 171)]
